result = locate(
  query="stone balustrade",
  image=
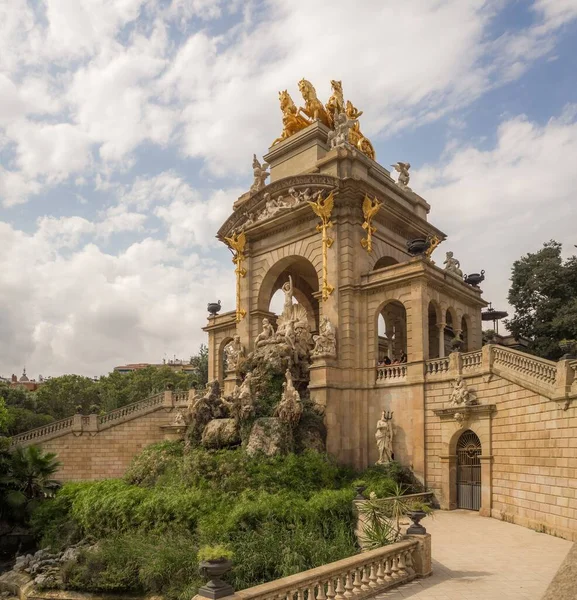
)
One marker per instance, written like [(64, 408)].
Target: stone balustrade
[(391, 373), (528, 366), (78, 424), (361, 576), (471, 360), (46, 431), (437, 366)]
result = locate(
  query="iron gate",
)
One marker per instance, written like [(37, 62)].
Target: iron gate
[(469, 471)]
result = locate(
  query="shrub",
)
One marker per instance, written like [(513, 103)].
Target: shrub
[(217, 552), (153, 462)]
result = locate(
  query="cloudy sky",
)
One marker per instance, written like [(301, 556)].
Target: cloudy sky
[(127, 129)]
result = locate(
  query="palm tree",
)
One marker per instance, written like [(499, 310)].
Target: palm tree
[(29, 480)]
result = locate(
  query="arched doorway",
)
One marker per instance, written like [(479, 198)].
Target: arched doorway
[(469, 471), (392, 334)]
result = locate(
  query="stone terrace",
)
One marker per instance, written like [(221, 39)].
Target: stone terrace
[(478, 558)]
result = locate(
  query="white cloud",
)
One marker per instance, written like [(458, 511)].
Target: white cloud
[(501, 203)]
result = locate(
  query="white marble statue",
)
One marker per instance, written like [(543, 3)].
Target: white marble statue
[(338, 137), (233, 351), (384, 438), (403, 171), (260, 174), (289, 409), (460, 396), (452, 265), (326, 341), (179, 420), (266, 336)]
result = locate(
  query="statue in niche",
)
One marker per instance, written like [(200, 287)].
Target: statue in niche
[(461, 396), (402, 169), (452, 265), (288, 289), (260, 174), (233, 351), (289, 409), (326, 341), (266, 336), (384, 438)]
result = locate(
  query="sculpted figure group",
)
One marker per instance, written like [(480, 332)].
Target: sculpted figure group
[(340, 118)]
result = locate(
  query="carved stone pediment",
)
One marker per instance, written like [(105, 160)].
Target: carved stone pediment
[(469, 412)]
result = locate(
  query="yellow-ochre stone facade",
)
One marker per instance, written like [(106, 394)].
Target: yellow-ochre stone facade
[(334, 224)]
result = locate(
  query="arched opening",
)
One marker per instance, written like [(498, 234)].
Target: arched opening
[(469, 471), (305, 287), (465, 334), (435, 333), (385, 261), (392, 334), (222, 359), (449, 331)]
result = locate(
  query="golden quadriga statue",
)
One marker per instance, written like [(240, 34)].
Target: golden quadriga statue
[(294, 119)]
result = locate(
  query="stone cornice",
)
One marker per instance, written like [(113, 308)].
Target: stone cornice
[(470, 411)]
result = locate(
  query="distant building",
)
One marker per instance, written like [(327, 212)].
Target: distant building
[(24, 382), (175, 365)]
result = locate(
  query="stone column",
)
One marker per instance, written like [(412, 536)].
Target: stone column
[(448, 498), (441, 327), (422, 562), (486, 484)]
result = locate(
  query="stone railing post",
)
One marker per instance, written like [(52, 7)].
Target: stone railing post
[(455, 363), (92, 423), (77, 423), (168, 399), (564, 379), (422, 562), (487, 357)]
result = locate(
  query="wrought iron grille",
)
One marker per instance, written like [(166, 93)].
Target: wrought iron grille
[(469, 471)]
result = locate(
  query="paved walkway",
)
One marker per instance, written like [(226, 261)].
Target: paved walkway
[(478, 558)]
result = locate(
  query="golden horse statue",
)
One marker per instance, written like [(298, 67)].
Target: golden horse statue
[(291, 120), (336, 103), (356, 138), (313, 108)]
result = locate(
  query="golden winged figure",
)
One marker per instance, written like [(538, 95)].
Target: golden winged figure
[(237, 242), (370, 209), (323, 207)]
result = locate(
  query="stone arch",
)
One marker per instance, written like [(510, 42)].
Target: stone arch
[(385, 250), (385, 261), (436, 333), (305, 283), (394, 342), (222, 360)]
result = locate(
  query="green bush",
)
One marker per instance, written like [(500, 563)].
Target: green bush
[(152, 462)]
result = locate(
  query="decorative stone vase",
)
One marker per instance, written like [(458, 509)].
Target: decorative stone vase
[(457, 344), (475, 279), (418, 246), (213, 570), (360, 489), (213, 308), (416, 528), (570, 349)]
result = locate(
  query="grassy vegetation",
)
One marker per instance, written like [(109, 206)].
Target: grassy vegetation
[(278, 516)]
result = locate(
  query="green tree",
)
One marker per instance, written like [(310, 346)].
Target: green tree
[(200, 362), (59, 396), (544, 295), (4, 416), (29, 479), (22, 419), (17, 396)]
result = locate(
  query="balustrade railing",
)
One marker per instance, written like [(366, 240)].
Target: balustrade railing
[(46, 430), (528, 366), (141, 405), (391, 372), (360, 576), (180, 397), (437, 366), (471, 360)]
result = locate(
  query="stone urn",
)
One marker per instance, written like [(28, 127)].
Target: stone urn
[(213, 571), (570, 349), (213, 308), (416, 528), (475, 279), (418, 246)]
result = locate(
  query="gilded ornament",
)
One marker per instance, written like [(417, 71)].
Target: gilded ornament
[(237, 243), (434, 241), (313, 108), (323, 208), (291, 120), (336, 103), (356, 137), (370, 209)]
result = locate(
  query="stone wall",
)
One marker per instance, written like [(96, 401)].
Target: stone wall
[(529, 452)]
